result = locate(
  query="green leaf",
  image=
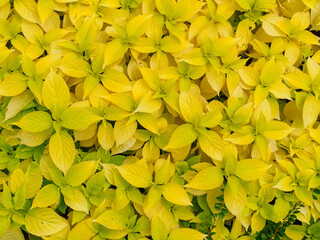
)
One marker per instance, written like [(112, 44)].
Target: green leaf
[(314, 229)]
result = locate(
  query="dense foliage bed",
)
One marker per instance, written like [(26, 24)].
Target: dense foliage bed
[(159, 119)]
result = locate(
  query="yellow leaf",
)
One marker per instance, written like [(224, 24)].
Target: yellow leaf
[(185, 233), (158, 229), (37, 121), (246, 136), (13, 85), (136, 174), (257, 222), (298, 80), (270, 73), (78, 118), (175, 193), (105, 135), (251, 169), (114, 51), (115, 220), (182, 136), (235, 196), (211, 143), (190, 106), (47, 196), (27, 9), (44, 221), (260, 94), (246, 4), (124, 130), (45, 9), (166, 7), (87, 33), (296, 232), (207, 179), (147, 120), (82, 231), (172, 44), (74, 66), (138, 25), (311, 110), (75, 199), (116, 81), (80, 172), (276, 130), (55, 94), (304, 195), (62, 150)]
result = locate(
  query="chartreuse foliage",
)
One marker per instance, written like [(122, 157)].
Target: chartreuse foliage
[(159, 119)]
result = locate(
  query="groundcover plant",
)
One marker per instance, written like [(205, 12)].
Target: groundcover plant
[(159, 119)]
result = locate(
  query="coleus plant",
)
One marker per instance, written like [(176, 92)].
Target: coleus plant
[(159, 119)]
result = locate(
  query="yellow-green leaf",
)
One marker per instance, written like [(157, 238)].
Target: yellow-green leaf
[(207, 179), (175, 194), (44, 222), (80, 172), (55, 94), (136, 174), (78, 118), (62, 150), (114, 220), (47, 196), (37, 121), (251, 169), (182, 136), (185, 233)]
